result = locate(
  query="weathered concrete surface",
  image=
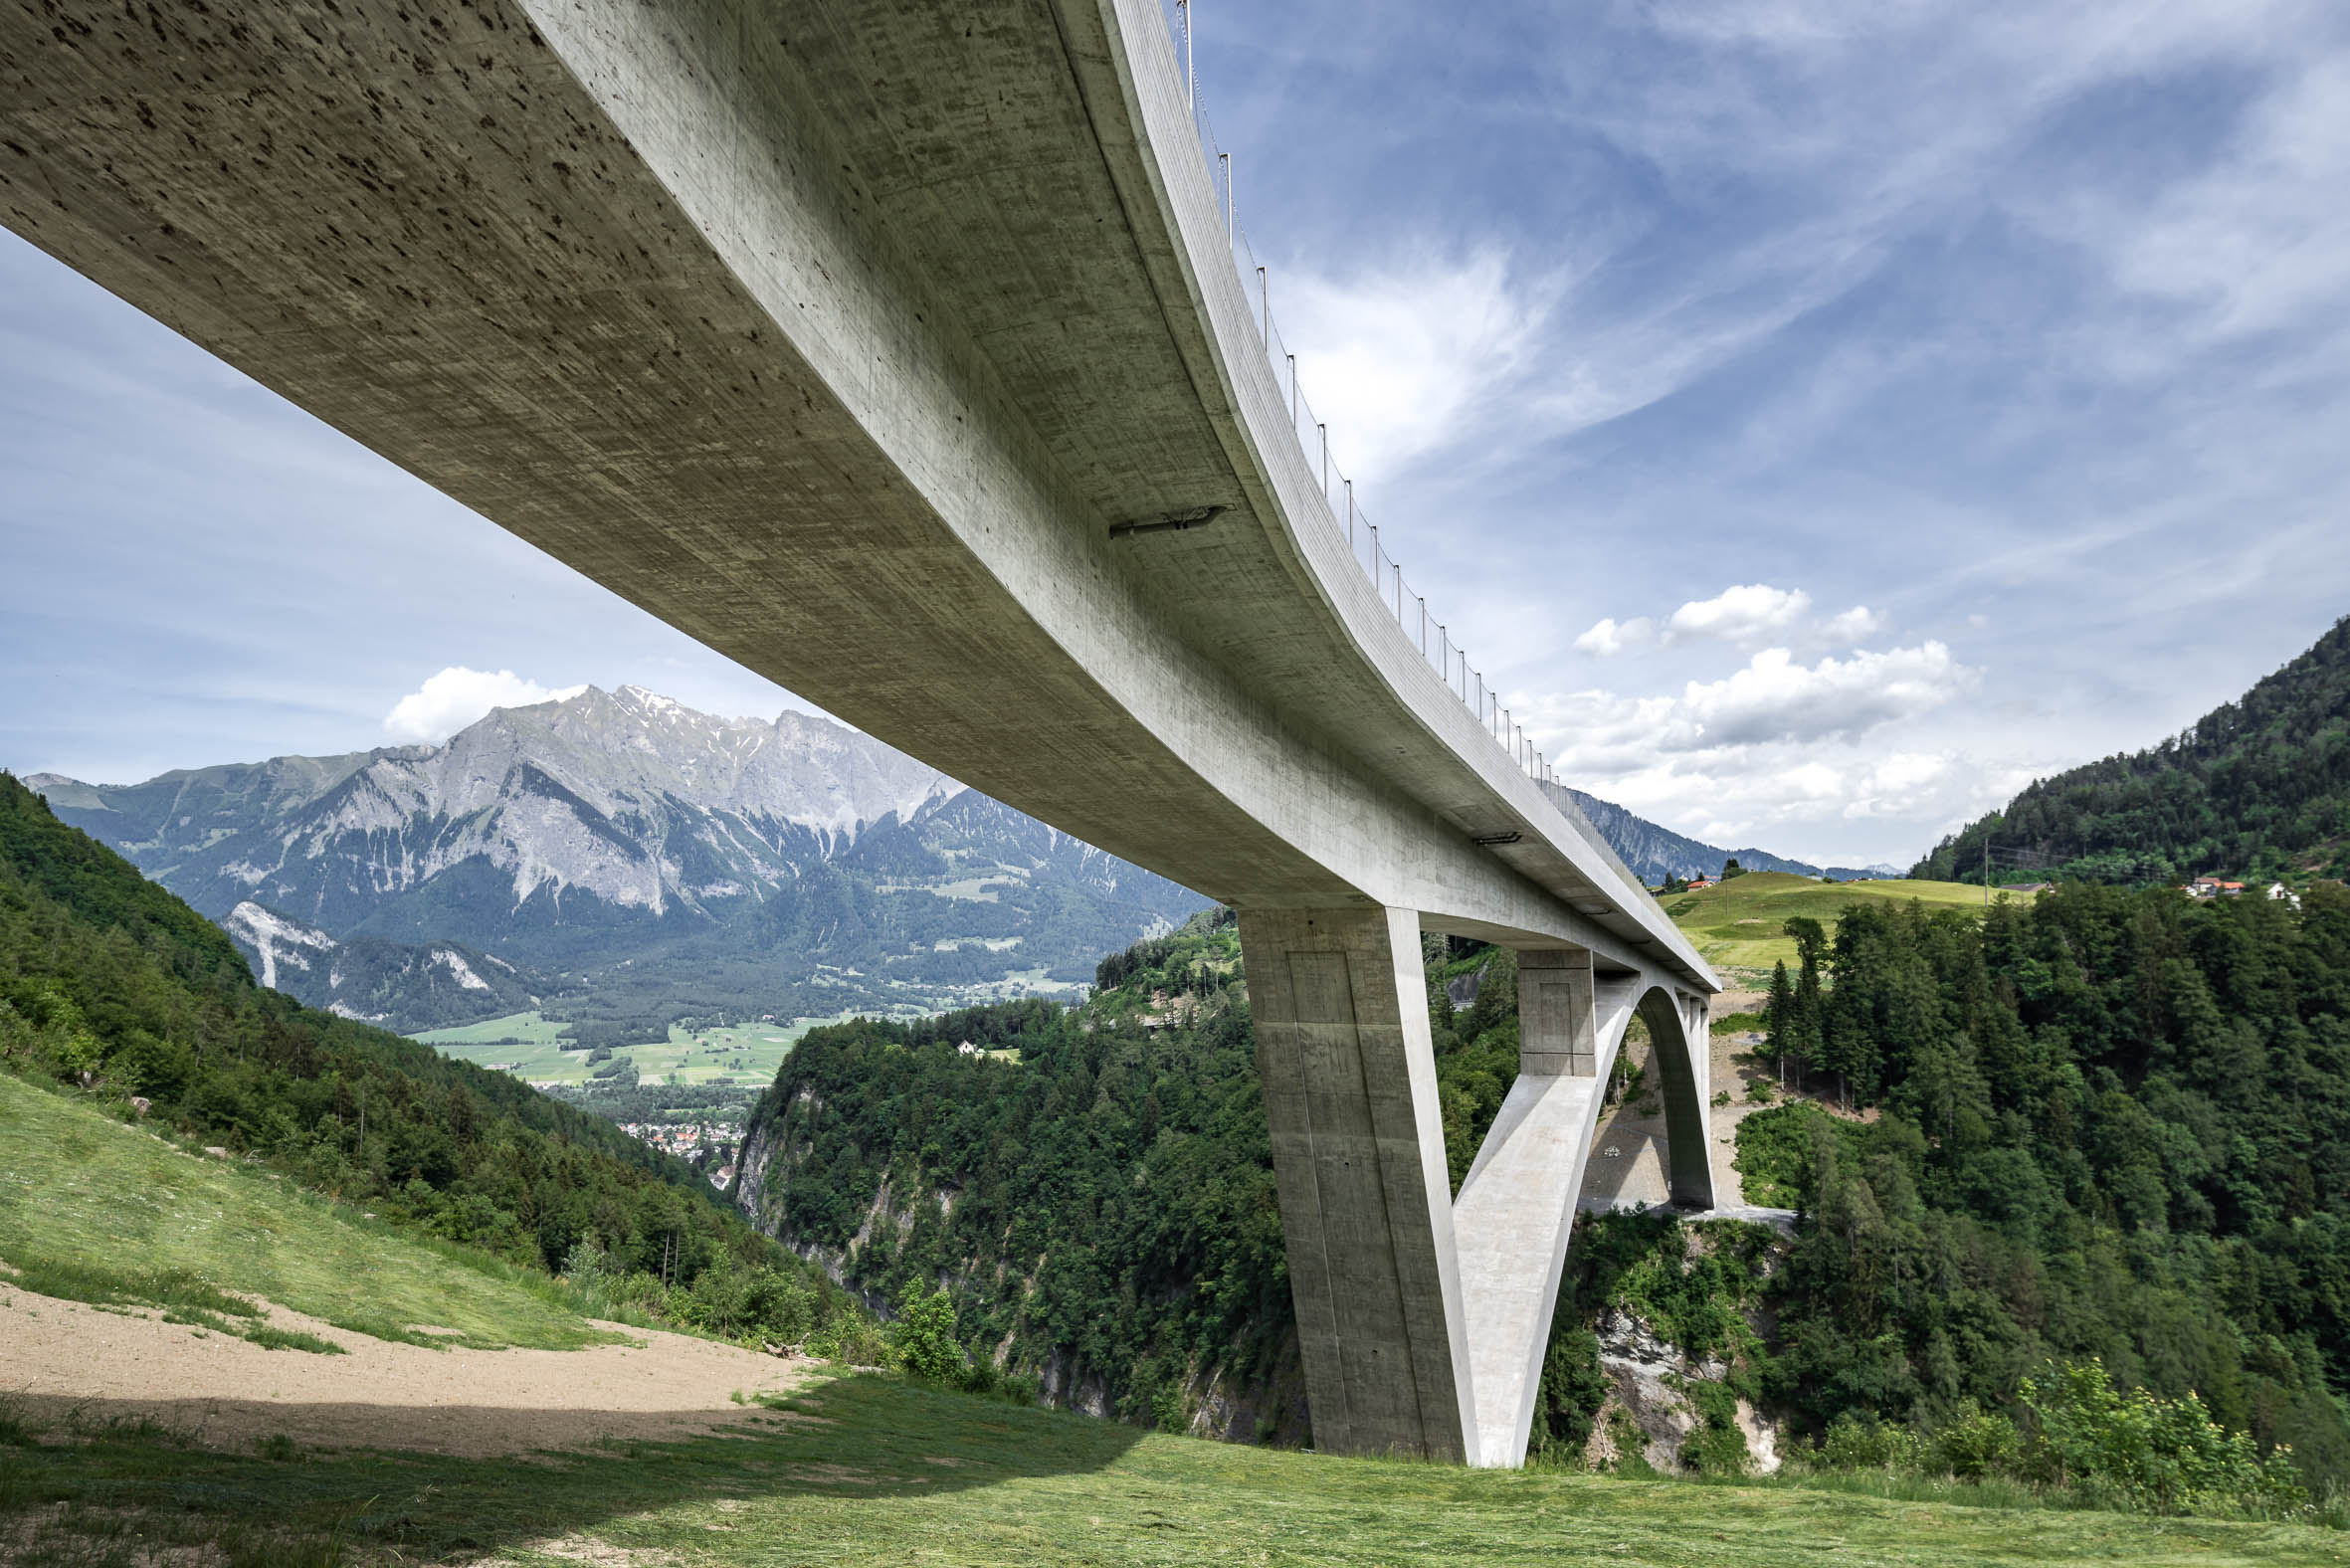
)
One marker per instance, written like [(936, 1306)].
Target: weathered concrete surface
[(839, 336), (1358, 1145)]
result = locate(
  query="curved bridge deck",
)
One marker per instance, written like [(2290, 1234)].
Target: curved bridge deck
[(848, 338)]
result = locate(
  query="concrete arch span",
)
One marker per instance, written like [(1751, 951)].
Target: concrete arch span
[(1423, 1317)]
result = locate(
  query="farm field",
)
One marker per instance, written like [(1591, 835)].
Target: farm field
[(748, 1054), (1738, 924)]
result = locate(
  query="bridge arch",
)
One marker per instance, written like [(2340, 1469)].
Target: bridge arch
[(1683, 1053), (1423, 1316)]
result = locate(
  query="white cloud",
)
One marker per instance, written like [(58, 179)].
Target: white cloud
[(1847, 630), (1396, 361), (1612, 637), (1777, 747), (1776, 698), (455, 697), (1746, 614)]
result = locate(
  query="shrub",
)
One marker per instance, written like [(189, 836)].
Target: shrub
[(1861, 1443), (922, 1337), (1977, 1445), (2144, 1451), (1717, 1446), (583, 1264)]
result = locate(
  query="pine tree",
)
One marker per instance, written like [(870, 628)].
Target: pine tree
[(1779, 1018)]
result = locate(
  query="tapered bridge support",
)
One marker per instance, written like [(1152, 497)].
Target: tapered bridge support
[(1423, 1320), (1358, 1154)]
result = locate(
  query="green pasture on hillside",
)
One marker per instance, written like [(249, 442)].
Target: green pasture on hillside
[(749, 1054), (84, 1194), (1738, 924), (870, 1470)]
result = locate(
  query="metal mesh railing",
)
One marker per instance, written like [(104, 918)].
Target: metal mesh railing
[(1433, 637)]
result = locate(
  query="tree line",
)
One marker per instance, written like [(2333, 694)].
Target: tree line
[(2104, 1125)]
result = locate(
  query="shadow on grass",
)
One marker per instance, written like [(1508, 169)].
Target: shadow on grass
[(858, 1436)]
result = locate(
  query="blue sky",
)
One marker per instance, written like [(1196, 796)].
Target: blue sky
[(1827, 414)]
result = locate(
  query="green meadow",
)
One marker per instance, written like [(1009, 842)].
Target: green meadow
[(869, 1468), (1740, 924), (95, 1209)]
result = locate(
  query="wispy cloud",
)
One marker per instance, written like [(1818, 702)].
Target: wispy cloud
[(1398, 360)]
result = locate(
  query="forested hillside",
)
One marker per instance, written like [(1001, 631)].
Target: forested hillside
[(114, 987), (2105, 1125), (2113, 1125), (2258, 788), (1098, 1187)]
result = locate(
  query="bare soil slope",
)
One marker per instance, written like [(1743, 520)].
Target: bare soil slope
[(71, 1364)]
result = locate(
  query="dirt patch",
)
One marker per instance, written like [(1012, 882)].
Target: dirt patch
[(67, 1363), (600, 1554)]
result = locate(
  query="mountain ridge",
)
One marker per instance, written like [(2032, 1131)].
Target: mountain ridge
[(622, 854), (593, 842)]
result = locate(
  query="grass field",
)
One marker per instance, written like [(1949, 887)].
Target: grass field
[(748, 1054), (83, 1195), (854, 1468), (869, 1470), (1738, 922)]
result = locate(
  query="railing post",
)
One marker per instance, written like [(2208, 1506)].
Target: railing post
[(1325, 434), (1292, 392), (1191, 78)]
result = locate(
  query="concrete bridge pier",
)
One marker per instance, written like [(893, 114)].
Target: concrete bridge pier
[(1339, 1002), (1424, 1319)]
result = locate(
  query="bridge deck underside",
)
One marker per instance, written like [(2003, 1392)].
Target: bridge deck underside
[(837, 335)]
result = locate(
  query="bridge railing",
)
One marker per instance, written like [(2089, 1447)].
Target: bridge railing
[(1409, 609)]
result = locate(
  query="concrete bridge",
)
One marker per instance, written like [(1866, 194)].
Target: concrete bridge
[(895, 350)]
